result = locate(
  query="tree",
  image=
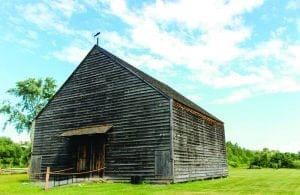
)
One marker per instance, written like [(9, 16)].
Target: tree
[(238, 156), (31, 95)]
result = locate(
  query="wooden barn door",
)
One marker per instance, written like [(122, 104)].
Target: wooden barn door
[(91, 156), (82, 158), (162, 164), (97, 159)]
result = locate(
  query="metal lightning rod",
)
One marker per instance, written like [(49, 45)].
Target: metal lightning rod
[(97, 35)]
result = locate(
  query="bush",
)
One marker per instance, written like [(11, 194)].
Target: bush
[(296, 164), (13, 154), (233, 164)]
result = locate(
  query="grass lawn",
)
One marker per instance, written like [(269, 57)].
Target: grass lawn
[(240, 181)]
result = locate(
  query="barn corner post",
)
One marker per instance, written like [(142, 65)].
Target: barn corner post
[(171, 141)]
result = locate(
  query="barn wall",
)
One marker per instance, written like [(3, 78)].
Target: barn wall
[(101, 91), (198, 144)]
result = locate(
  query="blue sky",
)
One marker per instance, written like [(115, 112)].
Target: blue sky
[(237, 59)]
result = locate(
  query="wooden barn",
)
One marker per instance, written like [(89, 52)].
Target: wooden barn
[(110, 114)]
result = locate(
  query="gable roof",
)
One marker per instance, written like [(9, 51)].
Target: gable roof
[(162, 87), (158, 85)]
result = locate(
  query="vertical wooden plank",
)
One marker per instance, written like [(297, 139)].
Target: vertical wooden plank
[(102, 157), (172, 140), (84, 158), (47, 178), (158, 164), (91, 167)]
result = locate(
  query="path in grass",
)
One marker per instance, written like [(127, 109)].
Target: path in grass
[(240, 181)]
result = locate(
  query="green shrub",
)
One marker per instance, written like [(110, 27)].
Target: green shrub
[(233, 164), (13, 154), (296, 164)]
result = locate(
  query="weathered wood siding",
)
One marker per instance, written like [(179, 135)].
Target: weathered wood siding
[(198, 144), (101, 91)]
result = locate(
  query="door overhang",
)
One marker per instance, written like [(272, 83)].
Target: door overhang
[(89, 130)]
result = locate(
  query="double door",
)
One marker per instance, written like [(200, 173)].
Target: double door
[(90, 155)]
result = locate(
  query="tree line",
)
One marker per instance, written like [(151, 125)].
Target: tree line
[(18, 155), (266, 158)]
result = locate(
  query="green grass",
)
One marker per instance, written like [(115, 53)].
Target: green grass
[(240, 181)]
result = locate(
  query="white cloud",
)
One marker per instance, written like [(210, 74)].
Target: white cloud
[(150, 61), (293, 4), (200, 14), (42, 16), (277, 85), (233, 79), (148, 35), (285, 54), (147, 31), (67, 7), (215, 46), (116, 41), (71, 54), (236, 96), (279, 32), (218, 44), (52, 15), (292, 58), (188, 34), (212, 55)]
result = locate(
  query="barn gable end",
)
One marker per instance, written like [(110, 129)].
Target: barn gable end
[(101, 92)]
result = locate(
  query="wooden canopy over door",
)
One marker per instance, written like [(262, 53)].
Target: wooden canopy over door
[(88, 147)]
